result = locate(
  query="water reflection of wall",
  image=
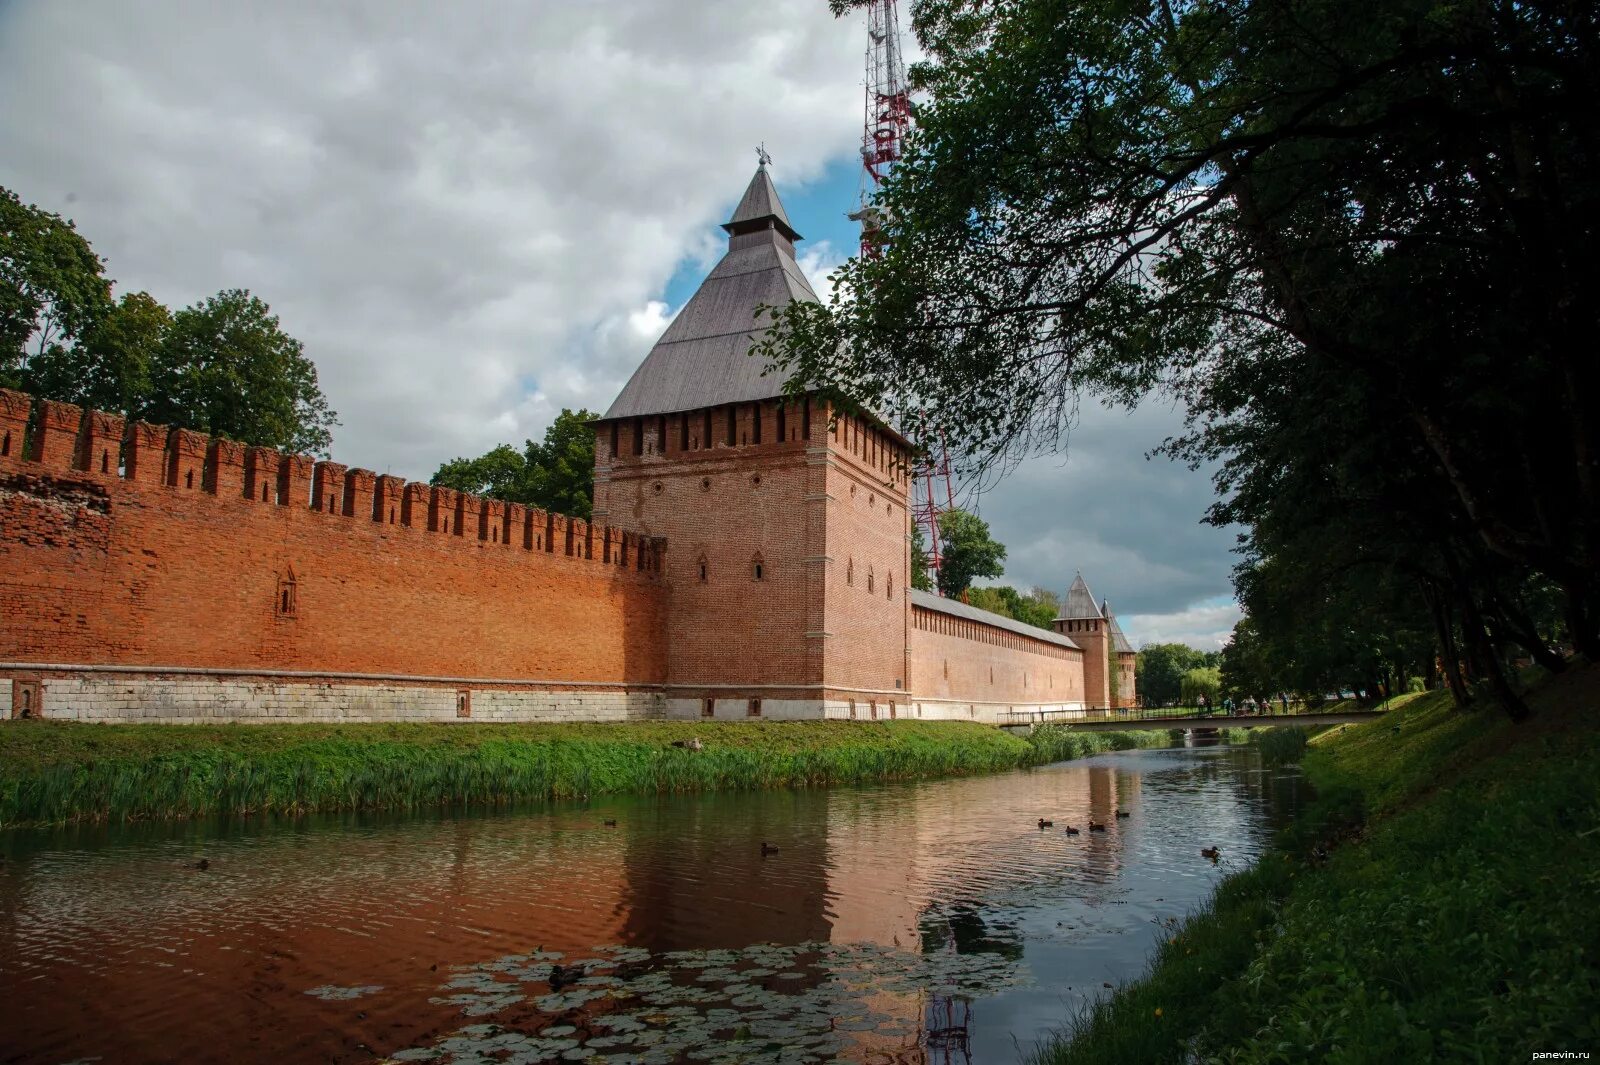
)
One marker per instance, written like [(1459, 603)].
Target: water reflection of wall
[(129, 947), (694, 871)]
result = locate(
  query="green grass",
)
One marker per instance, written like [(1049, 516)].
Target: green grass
[(1453, 921), (59, 772)]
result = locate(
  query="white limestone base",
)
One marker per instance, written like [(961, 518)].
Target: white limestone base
[(90, 696), (201, 699), (989, 713), (739, 710)]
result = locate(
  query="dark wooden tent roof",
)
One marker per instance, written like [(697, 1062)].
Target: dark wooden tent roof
[(702, 360)]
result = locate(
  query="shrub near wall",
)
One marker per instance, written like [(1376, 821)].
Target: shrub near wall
[(57, 772)]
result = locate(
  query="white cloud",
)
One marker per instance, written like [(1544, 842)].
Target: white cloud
[(465, 211), (1206, 626), (817, 262)]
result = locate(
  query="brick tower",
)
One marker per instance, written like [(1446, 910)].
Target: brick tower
[(1082, 619), (786, 528), (1126, 658)]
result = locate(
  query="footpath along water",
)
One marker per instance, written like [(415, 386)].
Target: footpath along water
[(929, 922)]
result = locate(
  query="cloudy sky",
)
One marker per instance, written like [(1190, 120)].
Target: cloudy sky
[(476, 214)]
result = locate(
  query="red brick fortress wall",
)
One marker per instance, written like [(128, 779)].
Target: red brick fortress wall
[(166, 554), (964, 669)]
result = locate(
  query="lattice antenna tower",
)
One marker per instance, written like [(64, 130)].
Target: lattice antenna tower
[(887, 120)]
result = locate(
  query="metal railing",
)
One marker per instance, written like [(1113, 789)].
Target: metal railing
[(1143, 713)]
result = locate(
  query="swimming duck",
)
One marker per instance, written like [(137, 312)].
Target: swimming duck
[(1071, 831), (611, 822), (1096, 826), (562, 975), (1123, 813), (1046, 824), (1210, 852), (768, 848), (203, 864)]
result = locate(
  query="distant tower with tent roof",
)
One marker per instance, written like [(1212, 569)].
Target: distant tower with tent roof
[(1093, 627)]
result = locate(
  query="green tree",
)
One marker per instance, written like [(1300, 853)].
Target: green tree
[(52, 286), (1037, 607), (223, 366), (1197, 682), (227, 368), (554, 474), (921, 579), (967, 551), (562, 464), (1159, 669), (109, 367), (498, 474), (1313, 229)]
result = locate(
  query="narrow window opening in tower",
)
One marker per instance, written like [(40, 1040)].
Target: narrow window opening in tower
[(661, 434), (783, 421), (616, 438), (708, 708), (638, 436), (705, 570), (888, 584), (105, 461), (755, 423), (870, 578), (683, 432), (705, 437), (758, 569), (5, 444), (805, 418), (188, 479), (852, 709), (754, 709), (733, 424)]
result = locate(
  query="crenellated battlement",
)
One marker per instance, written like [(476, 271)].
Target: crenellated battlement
[(46, 436)]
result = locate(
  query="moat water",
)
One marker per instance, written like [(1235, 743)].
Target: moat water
[(926, 922)]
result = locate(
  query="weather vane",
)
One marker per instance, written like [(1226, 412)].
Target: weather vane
[(761, 154)]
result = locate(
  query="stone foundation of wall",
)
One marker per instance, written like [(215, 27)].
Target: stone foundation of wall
[(188, 698)]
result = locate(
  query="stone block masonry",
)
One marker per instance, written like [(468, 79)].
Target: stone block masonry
[(147, 573)]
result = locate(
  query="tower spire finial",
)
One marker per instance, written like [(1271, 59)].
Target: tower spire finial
[(762, 158)]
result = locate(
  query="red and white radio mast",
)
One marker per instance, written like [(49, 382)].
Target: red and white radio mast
[(887, 117), (887, 120)]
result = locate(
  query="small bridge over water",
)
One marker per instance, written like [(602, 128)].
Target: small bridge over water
[(1132, 720)]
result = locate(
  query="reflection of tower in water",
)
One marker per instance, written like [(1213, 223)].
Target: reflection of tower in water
[(947, 1019)]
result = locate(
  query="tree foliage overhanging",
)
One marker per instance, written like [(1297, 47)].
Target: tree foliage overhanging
[(555, 474), (223, 366), (1352, 245)]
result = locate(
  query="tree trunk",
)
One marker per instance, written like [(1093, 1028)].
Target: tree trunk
[(1449, 653), (1489, 657)]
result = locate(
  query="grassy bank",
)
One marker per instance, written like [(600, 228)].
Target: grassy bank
[(1437, 903), (58, 772)]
